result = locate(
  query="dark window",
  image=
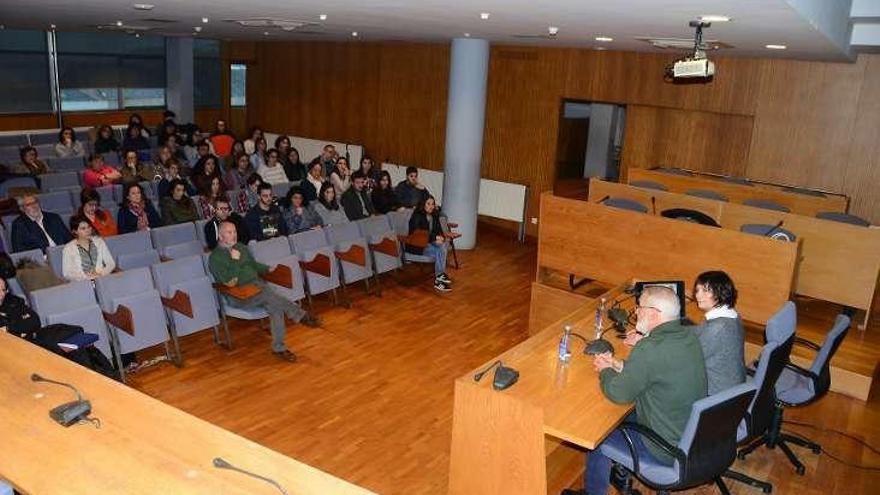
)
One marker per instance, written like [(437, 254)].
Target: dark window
[(207, 74), (24, 83)]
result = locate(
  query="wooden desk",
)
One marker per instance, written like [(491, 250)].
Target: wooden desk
[(500, 440), (143, 446), (737, 193)]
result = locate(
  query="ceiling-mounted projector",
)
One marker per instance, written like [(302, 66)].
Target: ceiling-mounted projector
[(695, 67)]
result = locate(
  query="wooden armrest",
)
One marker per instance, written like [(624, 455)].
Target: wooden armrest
[(452, 235), (121, 319), (179, 302), (418, 238), (319, 265), (280, 275), (164, 258), (387, 246), (243, 292), (356, 254)]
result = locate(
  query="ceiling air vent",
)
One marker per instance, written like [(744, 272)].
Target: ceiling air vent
[(682, 43), (269, 23)]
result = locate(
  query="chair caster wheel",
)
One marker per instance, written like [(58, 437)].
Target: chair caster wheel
[(800, 470), (741, 457), (767, 489), (817, 450)]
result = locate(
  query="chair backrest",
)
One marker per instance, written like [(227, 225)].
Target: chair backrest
[(75, 304), (270, 250), (182, 250), (343, 232), (178, 270), (822, 361), (709, 438), (649, 184), (766, 204), (200, 230), (73, 163), (15, 182), (16, 140), (38, 138), (57, 202), (779, 334), (625, 204), (122, 284), (706, 193), (836, 216), (173, 234), (51, 182), (139, 259), (280, 190), (309, 240), (133, 242), (399, 220), (772, 231), (107, 194), (375, 226), (55, 255), (35, 255)]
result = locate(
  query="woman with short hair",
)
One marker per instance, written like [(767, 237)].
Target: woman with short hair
[(86, 257), (30, 163), (721, 336), (67, 145), (100, 219)]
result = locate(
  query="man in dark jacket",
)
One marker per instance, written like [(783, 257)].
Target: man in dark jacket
[(410, 191), (223, 213), (264, 219), (664, 375), (355, 200), (34, 229)]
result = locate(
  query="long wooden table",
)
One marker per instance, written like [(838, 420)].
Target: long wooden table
[(503, 442), (802, 204), (838, 262), (142, 447)]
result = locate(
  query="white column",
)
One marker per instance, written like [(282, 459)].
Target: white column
[(179, 78), (465, 118)]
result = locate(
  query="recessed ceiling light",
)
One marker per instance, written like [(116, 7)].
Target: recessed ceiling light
[(776, 47), (198, 29), (52, 26), (137, 35), (713, 18), (143, 6), (2, 26), (119, 23), (354, 34), (323, 17), (204, 20), (265, 33), (604, 39), (467, 35), (484, 15), (552, 30)]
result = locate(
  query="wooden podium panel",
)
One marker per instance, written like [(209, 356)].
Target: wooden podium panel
[(737, 193), (142, 447), (613, 246)]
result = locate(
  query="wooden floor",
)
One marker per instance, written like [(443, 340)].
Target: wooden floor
[(370, 399)]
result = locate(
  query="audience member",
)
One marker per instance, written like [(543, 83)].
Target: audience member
[(356, 201), (410, 191), (182, 153), (293, 167), (250, 145), (664, 375), (426, 217), (328, 208), (100, 219), (258, 157), (314, 180), (237, 148), (133, 170), (328, 159), (165, 131), (203, 149), (252, 191), (384, 198), (341, 176), (100, 174), (163, 157), (282, 144), (206, 198), (721, 336), (67, 145), (36, 229), (264, 220), (86, 257), (135, 139), (371, 172), (136, 120), (233, 266), (30, 164), (172, 172), (167, 116), (237, 176), (272, 171), (223, 213), (204, 172), (105, 141), (222, 139), (300, 216), (136, 211), (178, 207)]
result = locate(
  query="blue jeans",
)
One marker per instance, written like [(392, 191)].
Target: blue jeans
[(438, 252), (596, 477)]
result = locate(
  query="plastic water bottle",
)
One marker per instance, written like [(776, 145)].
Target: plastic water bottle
[(600, 312), (564, 355)]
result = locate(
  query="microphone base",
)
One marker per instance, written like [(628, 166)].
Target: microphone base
[(70, 413), (504, 378), (598, 346)]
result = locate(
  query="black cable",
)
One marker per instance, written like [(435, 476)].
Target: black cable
[(829, 454), (839, 432)]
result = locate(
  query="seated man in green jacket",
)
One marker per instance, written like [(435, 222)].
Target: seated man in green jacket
[(232, 265), (664, 375)]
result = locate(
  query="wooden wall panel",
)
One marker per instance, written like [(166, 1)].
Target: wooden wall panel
[(861, 173), (712, 142)]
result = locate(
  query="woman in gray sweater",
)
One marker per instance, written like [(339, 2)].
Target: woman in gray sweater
[(721, 336)]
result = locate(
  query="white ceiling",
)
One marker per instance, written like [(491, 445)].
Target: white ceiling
[(755, 24)]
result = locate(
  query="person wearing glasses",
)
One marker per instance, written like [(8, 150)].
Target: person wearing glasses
[(223, 213), (36, 229), (664, 375)]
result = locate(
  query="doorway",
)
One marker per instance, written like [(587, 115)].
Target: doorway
[(588, 145)]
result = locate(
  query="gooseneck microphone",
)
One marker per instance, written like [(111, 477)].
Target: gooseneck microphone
[(774, 228), (220, 463), (479, 376), (71, 412), (504, 376), (653, 205), (604, 199), (37, 378)]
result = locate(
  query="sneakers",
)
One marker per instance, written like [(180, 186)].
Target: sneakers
[(443, 277), (286, 355), (441, 286), (310, 320)]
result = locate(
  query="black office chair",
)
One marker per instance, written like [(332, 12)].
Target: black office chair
[(772, 360), (797, 387), (706, 449)]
